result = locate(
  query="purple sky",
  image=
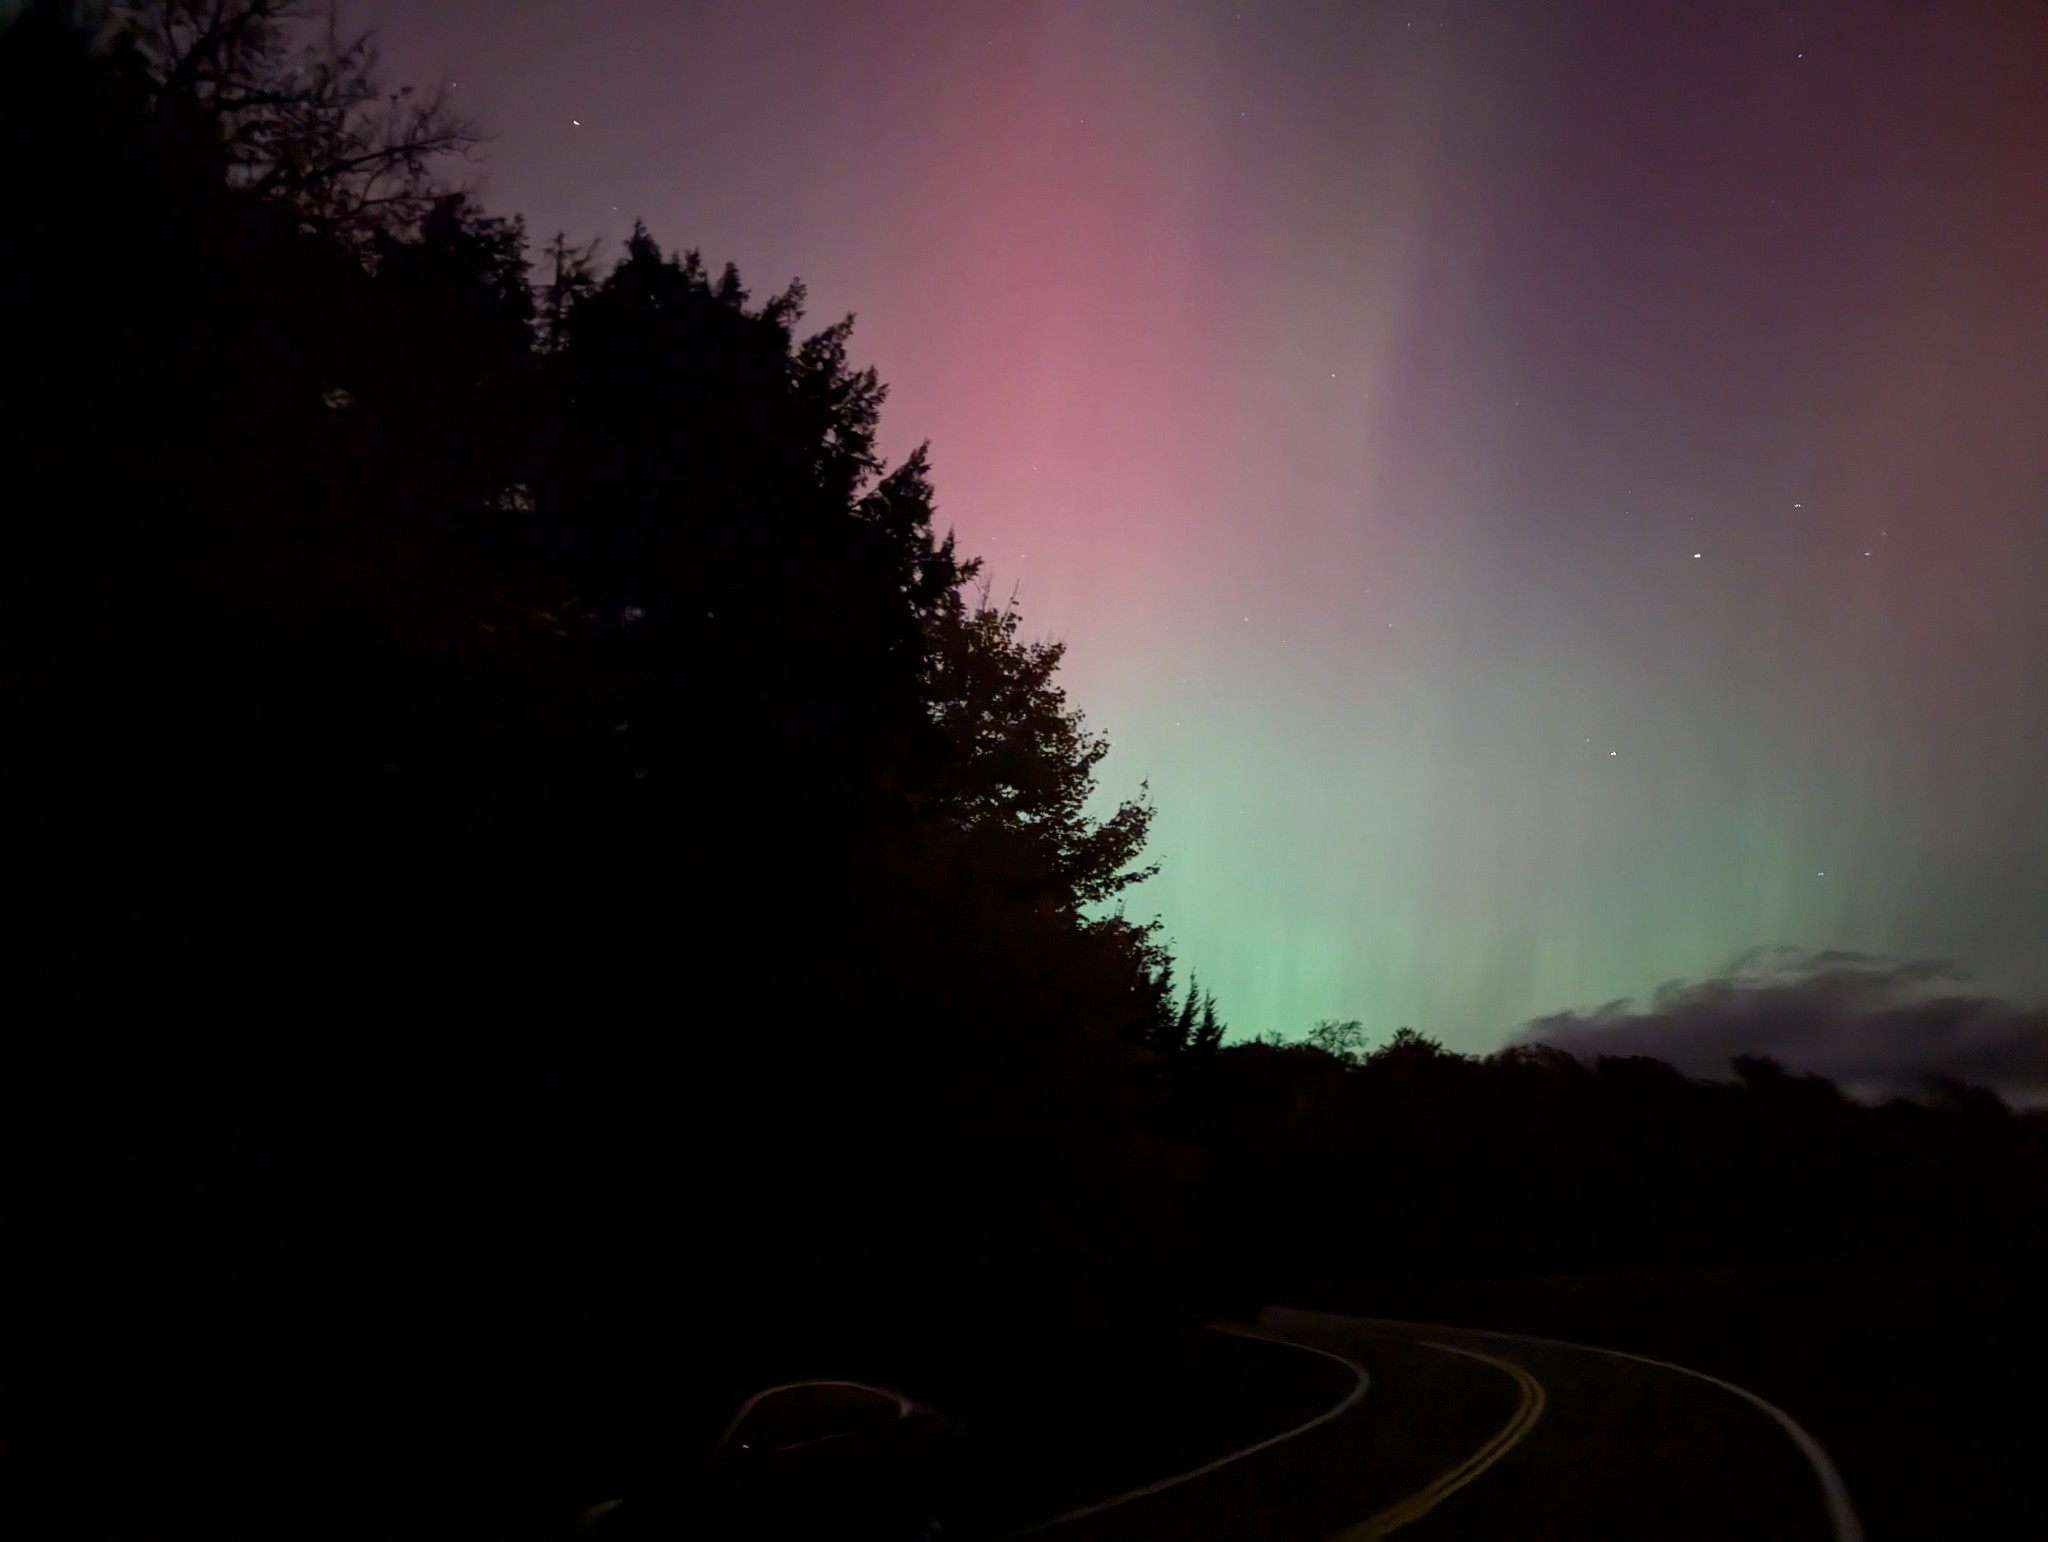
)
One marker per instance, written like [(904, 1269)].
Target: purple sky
[(1552, 496)]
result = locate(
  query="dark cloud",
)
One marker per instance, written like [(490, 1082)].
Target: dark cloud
[(1877, 1027)]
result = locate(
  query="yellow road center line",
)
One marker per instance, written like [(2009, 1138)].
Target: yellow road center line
[(1420, 1503)]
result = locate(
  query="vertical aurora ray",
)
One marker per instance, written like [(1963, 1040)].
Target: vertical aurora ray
[(1352, 387)]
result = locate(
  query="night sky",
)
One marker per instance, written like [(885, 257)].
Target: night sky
[(1551, 496)]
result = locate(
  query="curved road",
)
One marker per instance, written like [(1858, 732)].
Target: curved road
[(1469, 1435)]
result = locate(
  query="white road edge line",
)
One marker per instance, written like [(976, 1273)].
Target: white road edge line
[(1343, 1405), (1841, 1514)]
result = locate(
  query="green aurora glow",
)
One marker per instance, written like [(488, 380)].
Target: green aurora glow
[(1352, 387)]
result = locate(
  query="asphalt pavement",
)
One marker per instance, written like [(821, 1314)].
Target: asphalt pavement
[(1463, 1436)]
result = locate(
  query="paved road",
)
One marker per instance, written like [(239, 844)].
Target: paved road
[(1466, 1436)]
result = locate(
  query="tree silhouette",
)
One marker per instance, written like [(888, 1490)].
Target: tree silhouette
[(558, 782), (1023, 761), (266, 99), (1207, 1037), (1345, 1040), (1177, 1030)]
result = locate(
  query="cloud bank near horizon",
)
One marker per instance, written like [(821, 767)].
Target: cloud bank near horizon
[(1876, 1027)]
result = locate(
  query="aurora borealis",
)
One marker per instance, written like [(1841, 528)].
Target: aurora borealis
[(1551, 497)]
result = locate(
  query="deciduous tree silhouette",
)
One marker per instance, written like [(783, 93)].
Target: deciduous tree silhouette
[(562, 787), (1023, 760), (270, 97), (1345, 1040)]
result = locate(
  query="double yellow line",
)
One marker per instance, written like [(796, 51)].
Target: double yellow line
[(1420, 1503)]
